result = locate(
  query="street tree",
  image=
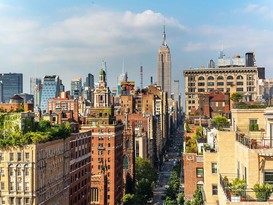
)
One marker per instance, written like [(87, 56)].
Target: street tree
[(145, 170)]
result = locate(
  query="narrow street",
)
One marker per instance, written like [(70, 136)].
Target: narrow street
[(172, 156)]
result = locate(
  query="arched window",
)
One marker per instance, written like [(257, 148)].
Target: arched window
[(220, 77), (210, 78), (201, 78), (125, 162), (230, 77), (240, 77), (128, 144)]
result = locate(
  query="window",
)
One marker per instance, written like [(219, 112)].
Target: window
[(27, 187), (201, 78), (240, 83), (210, 83), (11, 200), (199, 172), (239, 89), (27, 156), (220, 83), (268, 177), (19, 156), (201, 90), (2, 185), (201, 84), (12, 187), (253, 125), (230, 77), (210, 78), (11, 157), (2, 171), (220, 78), (1, 156), (214, 168), (214, 189), (3, 200), (240, 77)]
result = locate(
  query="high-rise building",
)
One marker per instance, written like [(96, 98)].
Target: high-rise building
[(164, 66), (12, 84), (34, 82), (50, 90), (90, 81), (76, 88), (107, 149)]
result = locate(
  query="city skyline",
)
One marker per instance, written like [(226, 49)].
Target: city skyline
[(71, 39)]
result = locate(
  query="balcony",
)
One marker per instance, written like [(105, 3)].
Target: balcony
[(247, 196), (257, 141)]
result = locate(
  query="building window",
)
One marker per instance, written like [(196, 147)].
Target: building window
[(220, 78), (2, 171), (2, 185), (210, 78), (253, 125), (214, 189), (220, 83), (94, 195), (19, 156), (240, 83), (125, 162), (239, 89), (27, 187), (27, 156), (214, 168), (12, 187), (268, 177), (201, 84), (11, 200), (201, 78), (229, 77), (1, 156), (199, 172), (210, 83), (11, 156)]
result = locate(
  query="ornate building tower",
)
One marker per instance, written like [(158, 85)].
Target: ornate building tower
[(164, 66), (106, 149)]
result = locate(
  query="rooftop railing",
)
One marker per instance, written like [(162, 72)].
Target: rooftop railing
[(256, 142), (247, 195)]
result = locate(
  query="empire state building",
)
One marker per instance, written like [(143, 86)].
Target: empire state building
[(164, 66)]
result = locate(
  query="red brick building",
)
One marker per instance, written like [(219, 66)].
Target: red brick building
[(193, 173), (80, 167), (214, 103), (106, 148)]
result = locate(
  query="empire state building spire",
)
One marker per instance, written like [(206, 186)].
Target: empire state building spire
[(164, 43)]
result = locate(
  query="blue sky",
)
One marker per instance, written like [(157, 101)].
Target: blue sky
[(71, 38)]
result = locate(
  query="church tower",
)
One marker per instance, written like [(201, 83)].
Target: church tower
[(164, 66), (106, 148)]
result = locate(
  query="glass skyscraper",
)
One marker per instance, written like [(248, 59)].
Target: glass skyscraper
[(50, 90), (12, 83)]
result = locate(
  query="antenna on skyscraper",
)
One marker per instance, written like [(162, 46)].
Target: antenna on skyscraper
[(141, 77), (105, 68)]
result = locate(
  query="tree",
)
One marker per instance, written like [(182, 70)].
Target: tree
[(180, 199), (236, 98), (169, 201), (220, 121), (144, 170), (144, 189), (197, 197), (129, 199)]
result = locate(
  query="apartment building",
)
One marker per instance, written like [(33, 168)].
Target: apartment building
[(228, 72), (36, 173), (244, 152)]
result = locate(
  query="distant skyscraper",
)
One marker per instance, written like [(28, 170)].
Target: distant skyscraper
[(90, 81), (176, 90), (33, 83), (76, 88), (12, 84), (50, 90), (164, 66), (211, 64)]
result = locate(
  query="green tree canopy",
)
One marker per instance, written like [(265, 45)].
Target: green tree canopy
[(180, 199), (236, 97), (145, 170), (220, 121), (144, 189), (130, 199)]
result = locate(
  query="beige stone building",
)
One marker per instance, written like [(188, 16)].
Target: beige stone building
[(35, 174), (241, 153), (200, 80)]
